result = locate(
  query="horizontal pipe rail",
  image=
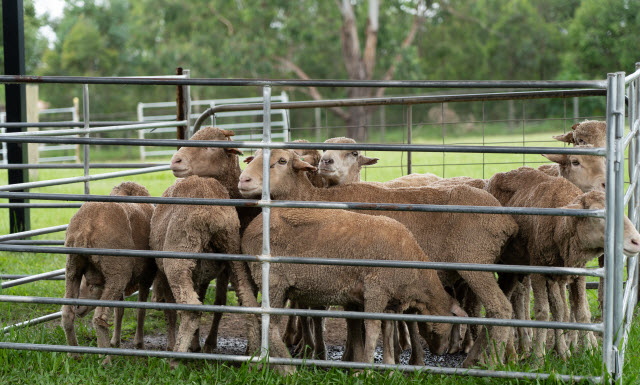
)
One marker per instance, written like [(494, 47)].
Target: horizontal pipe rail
[(596, 272), (631, 77), (627, 138), (31, 322), (315, 146), (76, 179), (30, 233), (400, 100), (75, 165), (42, 242), (306, 312), (19, 79), (18, 276), (312, 204), (31, 278), (124, 127), (41, 205), (295, 361), (65, 124)]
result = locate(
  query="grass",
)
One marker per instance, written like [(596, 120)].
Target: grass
[(27, 367)]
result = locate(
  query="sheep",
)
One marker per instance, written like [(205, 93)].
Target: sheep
[(215, 162), (191, 228), (592, 132), (442, 236), (313, 233), (110, 225), (589, 132), (554, 241), (340, 167), (585, 171)]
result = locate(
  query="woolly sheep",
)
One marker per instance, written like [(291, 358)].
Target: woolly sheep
[(315, 233), (109, 225), (443, 237), (554, 241)]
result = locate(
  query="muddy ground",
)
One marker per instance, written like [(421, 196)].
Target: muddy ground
[(232, 340)]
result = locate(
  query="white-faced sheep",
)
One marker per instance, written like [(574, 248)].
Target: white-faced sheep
[(339, 234), (554, 241), (108, 225), (444, 237)]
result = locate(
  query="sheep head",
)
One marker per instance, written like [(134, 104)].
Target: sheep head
[(205, 161), (590, 230), (592, 132), (287, 174), (340, 167), (438, 335), (585, 171)]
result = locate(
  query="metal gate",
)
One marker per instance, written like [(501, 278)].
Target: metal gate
[(619, 301)]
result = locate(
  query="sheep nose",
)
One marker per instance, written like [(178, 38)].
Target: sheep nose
[(245, 179), (327, 161), (176, 159), (635, 242), (603, 185)]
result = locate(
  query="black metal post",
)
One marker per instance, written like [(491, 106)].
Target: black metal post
[(15, 96)]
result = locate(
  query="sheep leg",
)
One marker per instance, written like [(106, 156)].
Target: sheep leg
[(388, 332), (305, 346), (179, 276), (113, 290), (118, 313), (557, 300), (541, 311), (292, 333), (143, 295), (374, 302), (417, 352), (580, 310), (243, 283), (73, 277), (397, 349), (319, 348), (222, 281), (354, 345), (404, 337), (487, 290), (601, 286)]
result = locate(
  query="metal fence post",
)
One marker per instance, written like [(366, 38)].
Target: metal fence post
[(619, 257), (85, 117), (266, 218), (15, 97), (409, 134), (609, 246)]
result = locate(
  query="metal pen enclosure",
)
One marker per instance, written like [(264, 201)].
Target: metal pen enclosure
[(619, 300)]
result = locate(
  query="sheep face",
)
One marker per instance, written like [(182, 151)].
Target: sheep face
[(585, 171), (204, 161), (284, 173), (590, 231), (438, 335), (340, 167), (592, 132)]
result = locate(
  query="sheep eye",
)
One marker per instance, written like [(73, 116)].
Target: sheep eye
[(575, 163), (581, 141), (282, 161), (355, 153)]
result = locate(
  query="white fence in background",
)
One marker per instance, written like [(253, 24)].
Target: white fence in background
[(44, 147), (245, 130)]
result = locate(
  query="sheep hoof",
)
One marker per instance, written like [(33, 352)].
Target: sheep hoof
[(106, 361), (173, 364), (139, 345)]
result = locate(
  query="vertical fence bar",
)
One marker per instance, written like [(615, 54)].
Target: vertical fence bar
[(180, 107), (266, 217), (85, 148), (619, 258), (187, 104), (409, 135), (15, 99), (607, 315)]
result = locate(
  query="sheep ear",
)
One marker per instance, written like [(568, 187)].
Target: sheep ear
[(227, 133), (575, 126), (248, 159), (458, 311), (233, 151), (557, 158), (301, 165), (567, 138), (366, 161)]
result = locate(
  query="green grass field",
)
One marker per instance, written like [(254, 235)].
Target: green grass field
[(22, 367)]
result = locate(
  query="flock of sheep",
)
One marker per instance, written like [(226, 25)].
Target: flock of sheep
[(573, 181)]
